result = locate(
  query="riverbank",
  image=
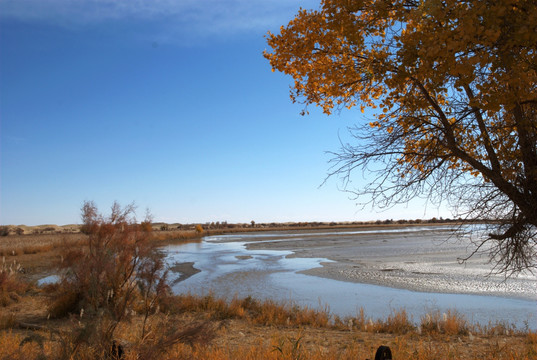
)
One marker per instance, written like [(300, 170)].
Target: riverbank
[(248, 328)]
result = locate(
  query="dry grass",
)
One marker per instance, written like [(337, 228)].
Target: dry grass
[(11, 286), (450, 323), (251, 329), (177, 235), (16, 245), (36, 243), (7, 321), (267, 312)]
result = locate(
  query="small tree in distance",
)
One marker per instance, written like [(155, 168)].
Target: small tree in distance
[(452, 85)]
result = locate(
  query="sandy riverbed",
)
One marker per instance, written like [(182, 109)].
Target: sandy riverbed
[(419, 259)]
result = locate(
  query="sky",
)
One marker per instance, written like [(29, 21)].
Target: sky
[(168, 104)]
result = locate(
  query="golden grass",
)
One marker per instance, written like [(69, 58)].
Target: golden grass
[(37, 243), (275, 346), (251, 329), (267, 312), (11, 286), (450, 323), (177, 235), (40, 243)]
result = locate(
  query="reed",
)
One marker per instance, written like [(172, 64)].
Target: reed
[(203, 327), (39, 243), (11, 286), (449, 323)]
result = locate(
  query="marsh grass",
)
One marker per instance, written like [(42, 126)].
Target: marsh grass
[(16, 245), (177, 236), (11, 286), (266, 312), (449, 323), (200, 327)]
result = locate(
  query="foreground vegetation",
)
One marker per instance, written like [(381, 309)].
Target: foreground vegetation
[(112, 301), (192, 327)]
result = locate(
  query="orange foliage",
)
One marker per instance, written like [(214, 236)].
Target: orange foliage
[(417, 63)]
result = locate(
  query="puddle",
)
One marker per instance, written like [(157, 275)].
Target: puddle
[(51, 279)]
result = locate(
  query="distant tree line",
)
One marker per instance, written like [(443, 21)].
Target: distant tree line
[(224, 225)]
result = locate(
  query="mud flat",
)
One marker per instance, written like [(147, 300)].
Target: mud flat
[(420, 259)]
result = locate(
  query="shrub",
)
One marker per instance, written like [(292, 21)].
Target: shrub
[(146, 226), (532, 338), (11, 287), (65, 303), (118, 272)]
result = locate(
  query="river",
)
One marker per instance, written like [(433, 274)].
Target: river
[(378, 269)]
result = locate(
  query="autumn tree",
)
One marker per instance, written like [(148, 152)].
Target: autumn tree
[(451, 89)]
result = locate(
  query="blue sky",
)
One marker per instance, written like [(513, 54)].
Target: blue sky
[(169, 104)]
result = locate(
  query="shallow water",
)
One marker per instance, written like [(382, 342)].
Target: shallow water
[(51, 279), (228, 269)]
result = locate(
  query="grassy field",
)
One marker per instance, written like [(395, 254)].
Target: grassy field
[(193, 327)]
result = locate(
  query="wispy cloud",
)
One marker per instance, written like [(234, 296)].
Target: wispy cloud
[(202, 17)]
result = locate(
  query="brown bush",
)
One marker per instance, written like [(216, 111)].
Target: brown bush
[(66, 302), (11, 286), (146, 226), (106, 273), (117, 274)]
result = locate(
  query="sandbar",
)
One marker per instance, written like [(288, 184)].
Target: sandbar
[(185, 270), (425, 259)]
